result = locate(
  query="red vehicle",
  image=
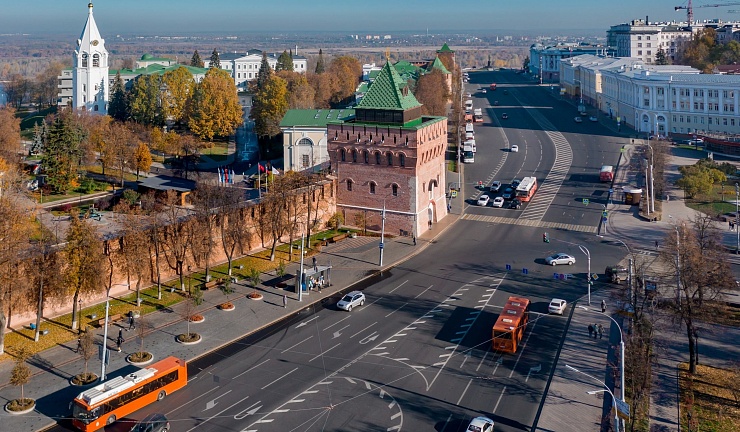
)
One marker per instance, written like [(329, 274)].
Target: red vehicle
[(105, 403), (607, 173), (493, 86), (510, 325)]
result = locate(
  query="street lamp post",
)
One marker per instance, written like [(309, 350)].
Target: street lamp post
[(382, 235), (606, 389), (737, 217), (678, 258), (79, 326), (104, 357), (585, 250), (652, 179)]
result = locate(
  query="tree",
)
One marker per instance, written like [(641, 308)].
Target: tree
[(323, 87), (61, 155), (155, 237), (265, 72), (270, 106), (145, 101), (231, 225), (123, 144), (134, 247), (695, 257), (300, 93), (284, 62), (175, 235), (10, 134), (98, 144), (525, 63), (432, 92), (118, 105), (196, 61), (215, 108), (46, 84), (699, 178), (346, 72), (17, 89), (21, 373), (215, 60), (179, 86), (320, 66), (142, 158), (660, 57), (83, 256), (87, 349), (207, 201)]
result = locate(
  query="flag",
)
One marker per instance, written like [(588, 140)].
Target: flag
[(260, 168), (220, 176), (226, 175), (232, 176)]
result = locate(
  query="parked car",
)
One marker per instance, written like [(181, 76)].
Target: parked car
[(495, 186), (480, 424), (504, 116), (560, 258), (514, 148), (616, 274), (593, 119), (578, 120), (515, 204), (483, 200), (498, 202), (351, 300), (152, 423), (508, 193), (495, 103), (483, 91), (556, 306)]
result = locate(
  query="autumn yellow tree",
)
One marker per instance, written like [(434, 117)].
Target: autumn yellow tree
[(178, 88), (323, 88), (300, 92), (214, 109), (84, 259), (10, 134), (345, 72), (97, 145), (432, 92), (142, 158), (270, 105)]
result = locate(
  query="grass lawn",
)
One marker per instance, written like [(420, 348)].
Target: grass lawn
[(715, 408), (713, 203), (218, 148)]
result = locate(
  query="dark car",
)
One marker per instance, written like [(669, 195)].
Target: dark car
[(616, 273), (515, 204), (152, 423), (508, 194), (504, 116)]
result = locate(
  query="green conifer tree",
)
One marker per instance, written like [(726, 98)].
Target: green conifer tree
[(215, 60), (118, 106), (320, 66), (196, 61), (285, 62), (265, 72)]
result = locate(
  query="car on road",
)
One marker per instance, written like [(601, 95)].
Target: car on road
[(560, 258), (508, 193), (504, 116), (495, 186), (506, 92), (593, 119), (495, 103), (351, 300), (514, 149), (498, 202), (515, 204), (578, 119), (616, 273), (480, 424), (152, 423), (483, 200), (483, 91), (557, 306), (515, 183)]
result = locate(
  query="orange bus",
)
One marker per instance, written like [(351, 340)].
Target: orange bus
[(103, 404), (526, 189), (510, 325)]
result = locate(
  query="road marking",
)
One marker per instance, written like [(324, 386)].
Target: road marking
[(293, 346), (418, 295), (533, 369), (306, 322), (347, 317), (370, 338), (192, 400), (337, 333), (464, 391), (216, 415), (482, 360), (279, 378), (249, 411), (530, 223), (363, 330), (402, 284), (253, 367), (524, 346), (499, 401), (212, 403), (446, 423), (323, 353), (465, 359), (396, 310)]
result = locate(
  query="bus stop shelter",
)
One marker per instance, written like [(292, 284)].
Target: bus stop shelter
[(313, 278)]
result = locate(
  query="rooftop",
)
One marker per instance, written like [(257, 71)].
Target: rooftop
[(314, 117), (389, 91)]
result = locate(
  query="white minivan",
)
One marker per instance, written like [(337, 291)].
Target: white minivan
[(471, 144), (469, 128)]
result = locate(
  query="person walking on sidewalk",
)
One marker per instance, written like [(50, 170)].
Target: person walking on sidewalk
[(601, 330), (119, 340), (603, 306), (285, 301), (590, 330), (79, 344), (414, 239), (315, 267), (131, 322), (656, 245)]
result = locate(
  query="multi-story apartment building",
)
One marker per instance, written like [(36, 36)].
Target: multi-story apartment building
[(642, 39), (245, 67)]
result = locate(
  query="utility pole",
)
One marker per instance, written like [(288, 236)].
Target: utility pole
[(382, 235)]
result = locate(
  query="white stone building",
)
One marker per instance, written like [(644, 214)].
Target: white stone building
[(545, 61), (304, 136), (90, 85), (245, 67)]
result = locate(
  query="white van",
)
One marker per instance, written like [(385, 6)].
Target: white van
[(469, 105), (471, 144), (469, 128), (468, 154), (469, 136)]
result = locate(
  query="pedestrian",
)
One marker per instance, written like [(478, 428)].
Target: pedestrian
[(656, 244), (603, 306), (321, 282), (285, 301), (414, 239), (131, 322), (430, 224), (449, 207), (596, 330), (315, 267), (729, 225), (590, 330), (79, 344), (601, 330), (119, 340)]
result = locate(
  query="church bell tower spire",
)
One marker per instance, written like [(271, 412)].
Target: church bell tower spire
[(90, 86)]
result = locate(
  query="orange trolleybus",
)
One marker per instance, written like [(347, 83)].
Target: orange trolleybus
[(103, 404), (526, 189), (510, 325)]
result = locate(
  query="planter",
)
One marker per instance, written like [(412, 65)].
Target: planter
[(255, 296), (198, 318), (227, 306), (15, 406), (82, 380), (140, 358), (189, 338)]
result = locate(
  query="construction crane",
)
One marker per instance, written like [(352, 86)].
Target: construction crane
[(690, 9)]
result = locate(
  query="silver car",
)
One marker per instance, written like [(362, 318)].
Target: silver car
[(560, 258), (351, 300)]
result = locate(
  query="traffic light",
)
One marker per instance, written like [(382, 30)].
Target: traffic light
[(546, 238)]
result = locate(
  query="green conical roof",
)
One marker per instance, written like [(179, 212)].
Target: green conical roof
[(389, 91), (445, 48), (437, 64)]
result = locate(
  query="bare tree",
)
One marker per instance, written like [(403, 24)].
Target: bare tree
[(176, 235), (86, 349), (208, 201), (232, 227)]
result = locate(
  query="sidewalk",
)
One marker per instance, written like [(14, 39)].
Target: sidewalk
[(352, 259)]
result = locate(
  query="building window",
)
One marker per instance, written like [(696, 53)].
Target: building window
[(394, 189), (402, 160), (305, 161), (354, 156), (343, 155), (389, 155), (349, 185), (96, 60), (377, 158), (84, 60), (366, 155), (372, 188)]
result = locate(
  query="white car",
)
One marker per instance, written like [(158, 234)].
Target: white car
[(593, 119), (560, 258), (480, 424), (483, 200), (578, 120), (498, 202), (514, 149), (557, 306), (351, 300), (495, 186), (483, 91)]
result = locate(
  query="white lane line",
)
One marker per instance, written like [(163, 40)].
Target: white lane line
[(396, 310), (248, 411), (306, 322), (418, 295), (324, 352), (402, 284), (192, 400), (337, 322), (293, 346), (216, 415), (253, 367), (446, 423), (279, 378), (481, 361), (464, 391), (212, 403), (499, 401), (524, 346), (363, 330)]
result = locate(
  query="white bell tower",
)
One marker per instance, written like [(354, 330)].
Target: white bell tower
[(90, 69)]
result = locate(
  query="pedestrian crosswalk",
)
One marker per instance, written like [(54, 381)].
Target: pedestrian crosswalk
[(530, 223)]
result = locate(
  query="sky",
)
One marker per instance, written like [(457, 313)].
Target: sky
[(173, 17)]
